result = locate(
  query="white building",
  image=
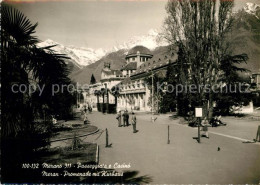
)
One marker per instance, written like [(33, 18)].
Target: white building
[(133, 92)]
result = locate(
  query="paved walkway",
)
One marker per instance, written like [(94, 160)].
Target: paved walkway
[(183, 160)]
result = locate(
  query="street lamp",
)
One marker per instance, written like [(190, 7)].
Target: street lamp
[(125, 99), (153, 118)]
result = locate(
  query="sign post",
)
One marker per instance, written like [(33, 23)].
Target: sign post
[(198, 114), (257, 139)]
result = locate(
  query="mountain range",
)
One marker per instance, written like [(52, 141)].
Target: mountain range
[(246, 35), (87, 61)]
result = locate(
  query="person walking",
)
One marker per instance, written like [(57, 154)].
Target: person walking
[(124, 118), (119, 118), (134, 122), (127, 118), (85, 119), (205, 125)]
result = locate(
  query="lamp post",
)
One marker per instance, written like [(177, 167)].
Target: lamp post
[(153, 118), (152, 98), (125, 99)]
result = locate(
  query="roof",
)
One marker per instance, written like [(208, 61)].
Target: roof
[(141, 49), (155, 63), (111, 72), (130, 66), (126, 80)]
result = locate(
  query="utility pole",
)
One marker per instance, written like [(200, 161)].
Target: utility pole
[(125, 99), (152, 93), (153, 119), (168, 141)]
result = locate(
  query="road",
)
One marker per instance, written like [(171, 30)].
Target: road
[(183, 161)]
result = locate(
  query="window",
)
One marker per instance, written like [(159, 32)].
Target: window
[(133, 59)]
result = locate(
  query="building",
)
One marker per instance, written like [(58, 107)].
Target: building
[(125, 88), (255, 81), (134, 92)]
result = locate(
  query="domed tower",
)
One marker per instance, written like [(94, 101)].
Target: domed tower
[(138, 54)]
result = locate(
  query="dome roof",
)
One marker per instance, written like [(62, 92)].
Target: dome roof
[(141, 49)]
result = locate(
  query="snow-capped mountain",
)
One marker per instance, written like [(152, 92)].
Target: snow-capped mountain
[(252, 8), (151, 40), (85, 56), (79, 55)]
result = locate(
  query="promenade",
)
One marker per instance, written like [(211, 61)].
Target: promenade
[(183, 160)]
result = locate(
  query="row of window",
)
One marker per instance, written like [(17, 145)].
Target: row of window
[(133, 59), (137, 102), (133, 85)]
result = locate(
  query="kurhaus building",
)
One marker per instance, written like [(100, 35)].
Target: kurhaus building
[(133, 93)]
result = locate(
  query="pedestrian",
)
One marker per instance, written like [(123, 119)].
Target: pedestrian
[(127, 118), (119, 118), (134, 122), (85, 108), (54, 120), (89, 109), (124, 118), (85, 119), (205, 125)]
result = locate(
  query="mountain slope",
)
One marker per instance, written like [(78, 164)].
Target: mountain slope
[(83, 76), (79, 56), (116, 59), (245, 35)]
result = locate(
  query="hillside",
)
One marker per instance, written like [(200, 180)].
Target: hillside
[(246, 37), (116, 59)]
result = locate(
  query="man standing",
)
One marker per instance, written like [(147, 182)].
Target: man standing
[(124, 118), (85, 118), (119, 118), (127, 118), (134, 122)]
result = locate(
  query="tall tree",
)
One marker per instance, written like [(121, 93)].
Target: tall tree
[(25, 64), (93, 79), (200, 30)]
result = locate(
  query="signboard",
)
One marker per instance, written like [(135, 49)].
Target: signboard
[(198, 112)]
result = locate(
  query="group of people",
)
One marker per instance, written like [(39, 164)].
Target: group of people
[(87, 108), (216, 121), (125, 118)]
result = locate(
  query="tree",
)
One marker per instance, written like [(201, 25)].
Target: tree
[(234, 87), (158, 79), (93, 79), (200, 30), (23, 65), (115, 91)]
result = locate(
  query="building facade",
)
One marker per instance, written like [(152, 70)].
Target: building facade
[(132, 92)]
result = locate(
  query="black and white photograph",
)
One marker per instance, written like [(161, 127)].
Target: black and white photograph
[(130, 92)]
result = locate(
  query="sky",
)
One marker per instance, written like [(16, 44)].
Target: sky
[(95, 23)]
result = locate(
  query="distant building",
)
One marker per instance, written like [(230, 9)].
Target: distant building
[(132, 91), (255, 81)]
